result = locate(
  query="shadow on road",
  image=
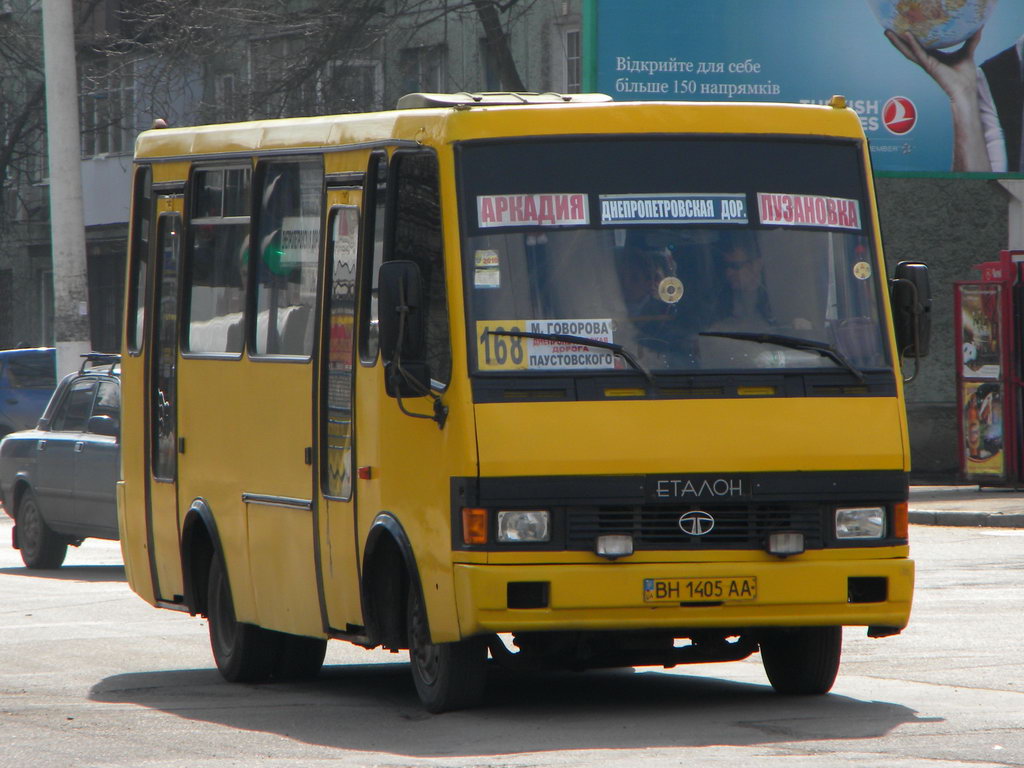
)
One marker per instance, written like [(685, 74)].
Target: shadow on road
[(95, 573), (373, 707)]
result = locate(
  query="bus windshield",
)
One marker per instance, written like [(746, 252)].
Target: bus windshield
[(690, 255)]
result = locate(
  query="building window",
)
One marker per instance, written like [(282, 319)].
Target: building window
[(351, 86), (44, 279), (573, 58), (423, 68), (105, 286), (228, 106), (108, 109), (281, 78), (566, 54), (491, 78), (6, 316)]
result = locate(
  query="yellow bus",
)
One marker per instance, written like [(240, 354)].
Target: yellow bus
[(512, 379)]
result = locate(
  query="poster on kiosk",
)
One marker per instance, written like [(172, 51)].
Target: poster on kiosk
[(986, 371)]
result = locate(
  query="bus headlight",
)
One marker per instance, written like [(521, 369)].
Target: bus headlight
[(524, 526), (860, 523)]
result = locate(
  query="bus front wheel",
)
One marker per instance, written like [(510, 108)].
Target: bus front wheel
[(448, 676), (244, 653), (802, 661)]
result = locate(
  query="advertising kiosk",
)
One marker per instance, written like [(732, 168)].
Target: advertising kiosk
[(987, 314)]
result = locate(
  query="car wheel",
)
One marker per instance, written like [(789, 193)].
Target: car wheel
[(244, 653), (40, 547), (447, 676), (802, 661)]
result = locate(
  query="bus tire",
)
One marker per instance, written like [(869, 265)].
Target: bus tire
[(244, 653), (802, 661), (299, 657), (40, 547), (448, 676)]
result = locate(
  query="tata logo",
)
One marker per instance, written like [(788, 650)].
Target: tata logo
[(696, 522), (899, 115)]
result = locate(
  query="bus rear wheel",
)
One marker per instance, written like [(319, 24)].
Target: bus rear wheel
[(802, 661), (244, 653), (299, 657), (448, 676)]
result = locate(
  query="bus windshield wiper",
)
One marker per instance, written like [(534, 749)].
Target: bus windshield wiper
[(793, 342), (567, 338)]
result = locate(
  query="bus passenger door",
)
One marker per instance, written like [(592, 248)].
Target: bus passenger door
[(337, 554), (162, 514)]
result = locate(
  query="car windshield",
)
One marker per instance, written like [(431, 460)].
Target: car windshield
[(691, 256)]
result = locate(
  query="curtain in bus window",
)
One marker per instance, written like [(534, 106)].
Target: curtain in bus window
[(219, 256), (288, 240)]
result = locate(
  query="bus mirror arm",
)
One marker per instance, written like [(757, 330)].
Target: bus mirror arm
[(911, 310), (403, 338)]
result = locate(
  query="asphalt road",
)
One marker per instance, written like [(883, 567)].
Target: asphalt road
[(92, 676)]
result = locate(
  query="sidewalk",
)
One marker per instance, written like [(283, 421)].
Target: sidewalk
[(966, 505)]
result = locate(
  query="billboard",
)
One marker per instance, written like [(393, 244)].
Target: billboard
[(805, 51)]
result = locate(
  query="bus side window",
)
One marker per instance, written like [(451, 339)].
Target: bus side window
[(342, 241), (375, 202), (288, 237), (142, 216), (414, 230), (218, 255)]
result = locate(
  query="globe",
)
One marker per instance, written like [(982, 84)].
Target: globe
[(935, 23)]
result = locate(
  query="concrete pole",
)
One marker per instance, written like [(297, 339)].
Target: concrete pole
[(67, 219)]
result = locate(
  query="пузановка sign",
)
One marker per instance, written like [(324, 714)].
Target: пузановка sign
[(798, 51)]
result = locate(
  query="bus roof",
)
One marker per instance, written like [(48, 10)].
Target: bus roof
[(462, 119)]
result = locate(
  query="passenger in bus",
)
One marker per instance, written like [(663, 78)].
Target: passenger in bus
[(742, 306), (744, 298)]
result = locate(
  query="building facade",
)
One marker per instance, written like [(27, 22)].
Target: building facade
[(270, 67)]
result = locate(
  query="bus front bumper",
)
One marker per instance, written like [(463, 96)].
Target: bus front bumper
[(636, 596)]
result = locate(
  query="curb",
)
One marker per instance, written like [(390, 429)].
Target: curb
[(972, 519)]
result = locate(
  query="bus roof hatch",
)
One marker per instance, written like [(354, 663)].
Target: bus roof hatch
[(464, 99)]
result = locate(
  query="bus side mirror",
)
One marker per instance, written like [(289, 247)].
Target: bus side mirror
[(403, 329), (912, 308)]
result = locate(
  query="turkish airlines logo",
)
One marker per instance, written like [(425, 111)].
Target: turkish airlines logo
[(899, 115)]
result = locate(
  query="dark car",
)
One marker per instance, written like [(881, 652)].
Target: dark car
[(27, 379), (58, 480)]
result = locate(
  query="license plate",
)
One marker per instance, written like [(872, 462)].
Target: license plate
[(712, 590)]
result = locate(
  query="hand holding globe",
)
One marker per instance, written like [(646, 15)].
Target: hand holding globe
[(935, 24), (920, 30)]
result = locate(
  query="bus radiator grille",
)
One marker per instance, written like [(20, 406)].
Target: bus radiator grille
[(651, 527)]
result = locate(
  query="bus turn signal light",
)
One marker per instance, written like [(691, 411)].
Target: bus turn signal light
[(901, 520), (474, 525)]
